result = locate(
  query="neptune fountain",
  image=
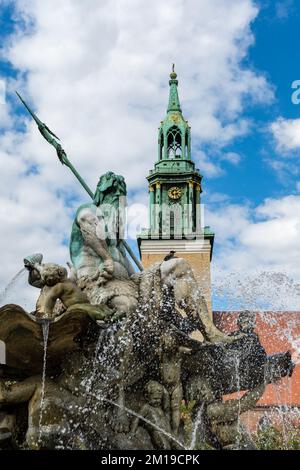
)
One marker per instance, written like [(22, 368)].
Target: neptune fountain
[(106, 360)]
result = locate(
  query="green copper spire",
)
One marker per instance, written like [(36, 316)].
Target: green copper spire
[(174, 179), (174, 182), (174, 104), (174, 137)]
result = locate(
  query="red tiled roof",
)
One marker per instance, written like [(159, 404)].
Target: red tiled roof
[(278, 332)]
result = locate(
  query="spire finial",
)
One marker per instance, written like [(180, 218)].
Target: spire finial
[(173, 74), (174, 104)]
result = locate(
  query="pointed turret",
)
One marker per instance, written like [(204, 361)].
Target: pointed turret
[(174, 103), (174, 136)]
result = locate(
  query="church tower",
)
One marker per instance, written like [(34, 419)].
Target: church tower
[(174, 199)]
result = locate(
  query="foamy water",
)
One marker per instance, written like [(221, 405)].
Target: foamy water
[(272, 291)]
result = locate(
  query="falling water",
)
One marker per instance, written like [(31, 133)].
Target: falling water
[(280, 410), (238, 387), (111, 343), (197, 424), (145, 420), (246, 295), (10, 285), (268, 293), (104, 341), (45, 329), (258, 291)]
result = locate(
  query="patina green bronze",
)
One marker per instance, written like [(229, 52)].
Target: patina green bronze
[(63, 158)]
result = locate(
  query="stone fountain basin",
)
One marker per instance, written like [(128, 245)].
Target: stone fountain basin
[(23, 337)]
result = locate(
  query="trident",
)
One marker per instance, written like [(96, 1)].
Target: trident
[(63, 158)]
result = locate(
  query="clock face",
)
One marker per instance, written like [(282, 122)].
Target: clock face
[(174, 192)]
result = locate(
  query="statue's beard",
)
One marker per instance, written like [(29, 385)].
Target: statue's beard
[(115, 202)]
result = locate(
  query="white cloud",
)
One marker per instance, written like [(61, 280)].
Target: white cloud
[(286, 133), (232, 157), (209, 166), (2, 91), (96, 73)]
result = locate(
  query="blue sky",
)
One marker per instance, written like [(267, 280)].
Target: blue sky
[(275, 53), (94, 80)]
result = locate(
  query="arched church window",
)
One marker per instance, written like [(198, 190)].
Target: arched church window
[(161, 144), (186, 144), (174, 142), (172, 222)]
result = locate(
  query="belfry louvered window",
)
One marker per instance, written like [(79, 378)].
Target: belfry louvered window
[(174, 142), (161, 146)]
